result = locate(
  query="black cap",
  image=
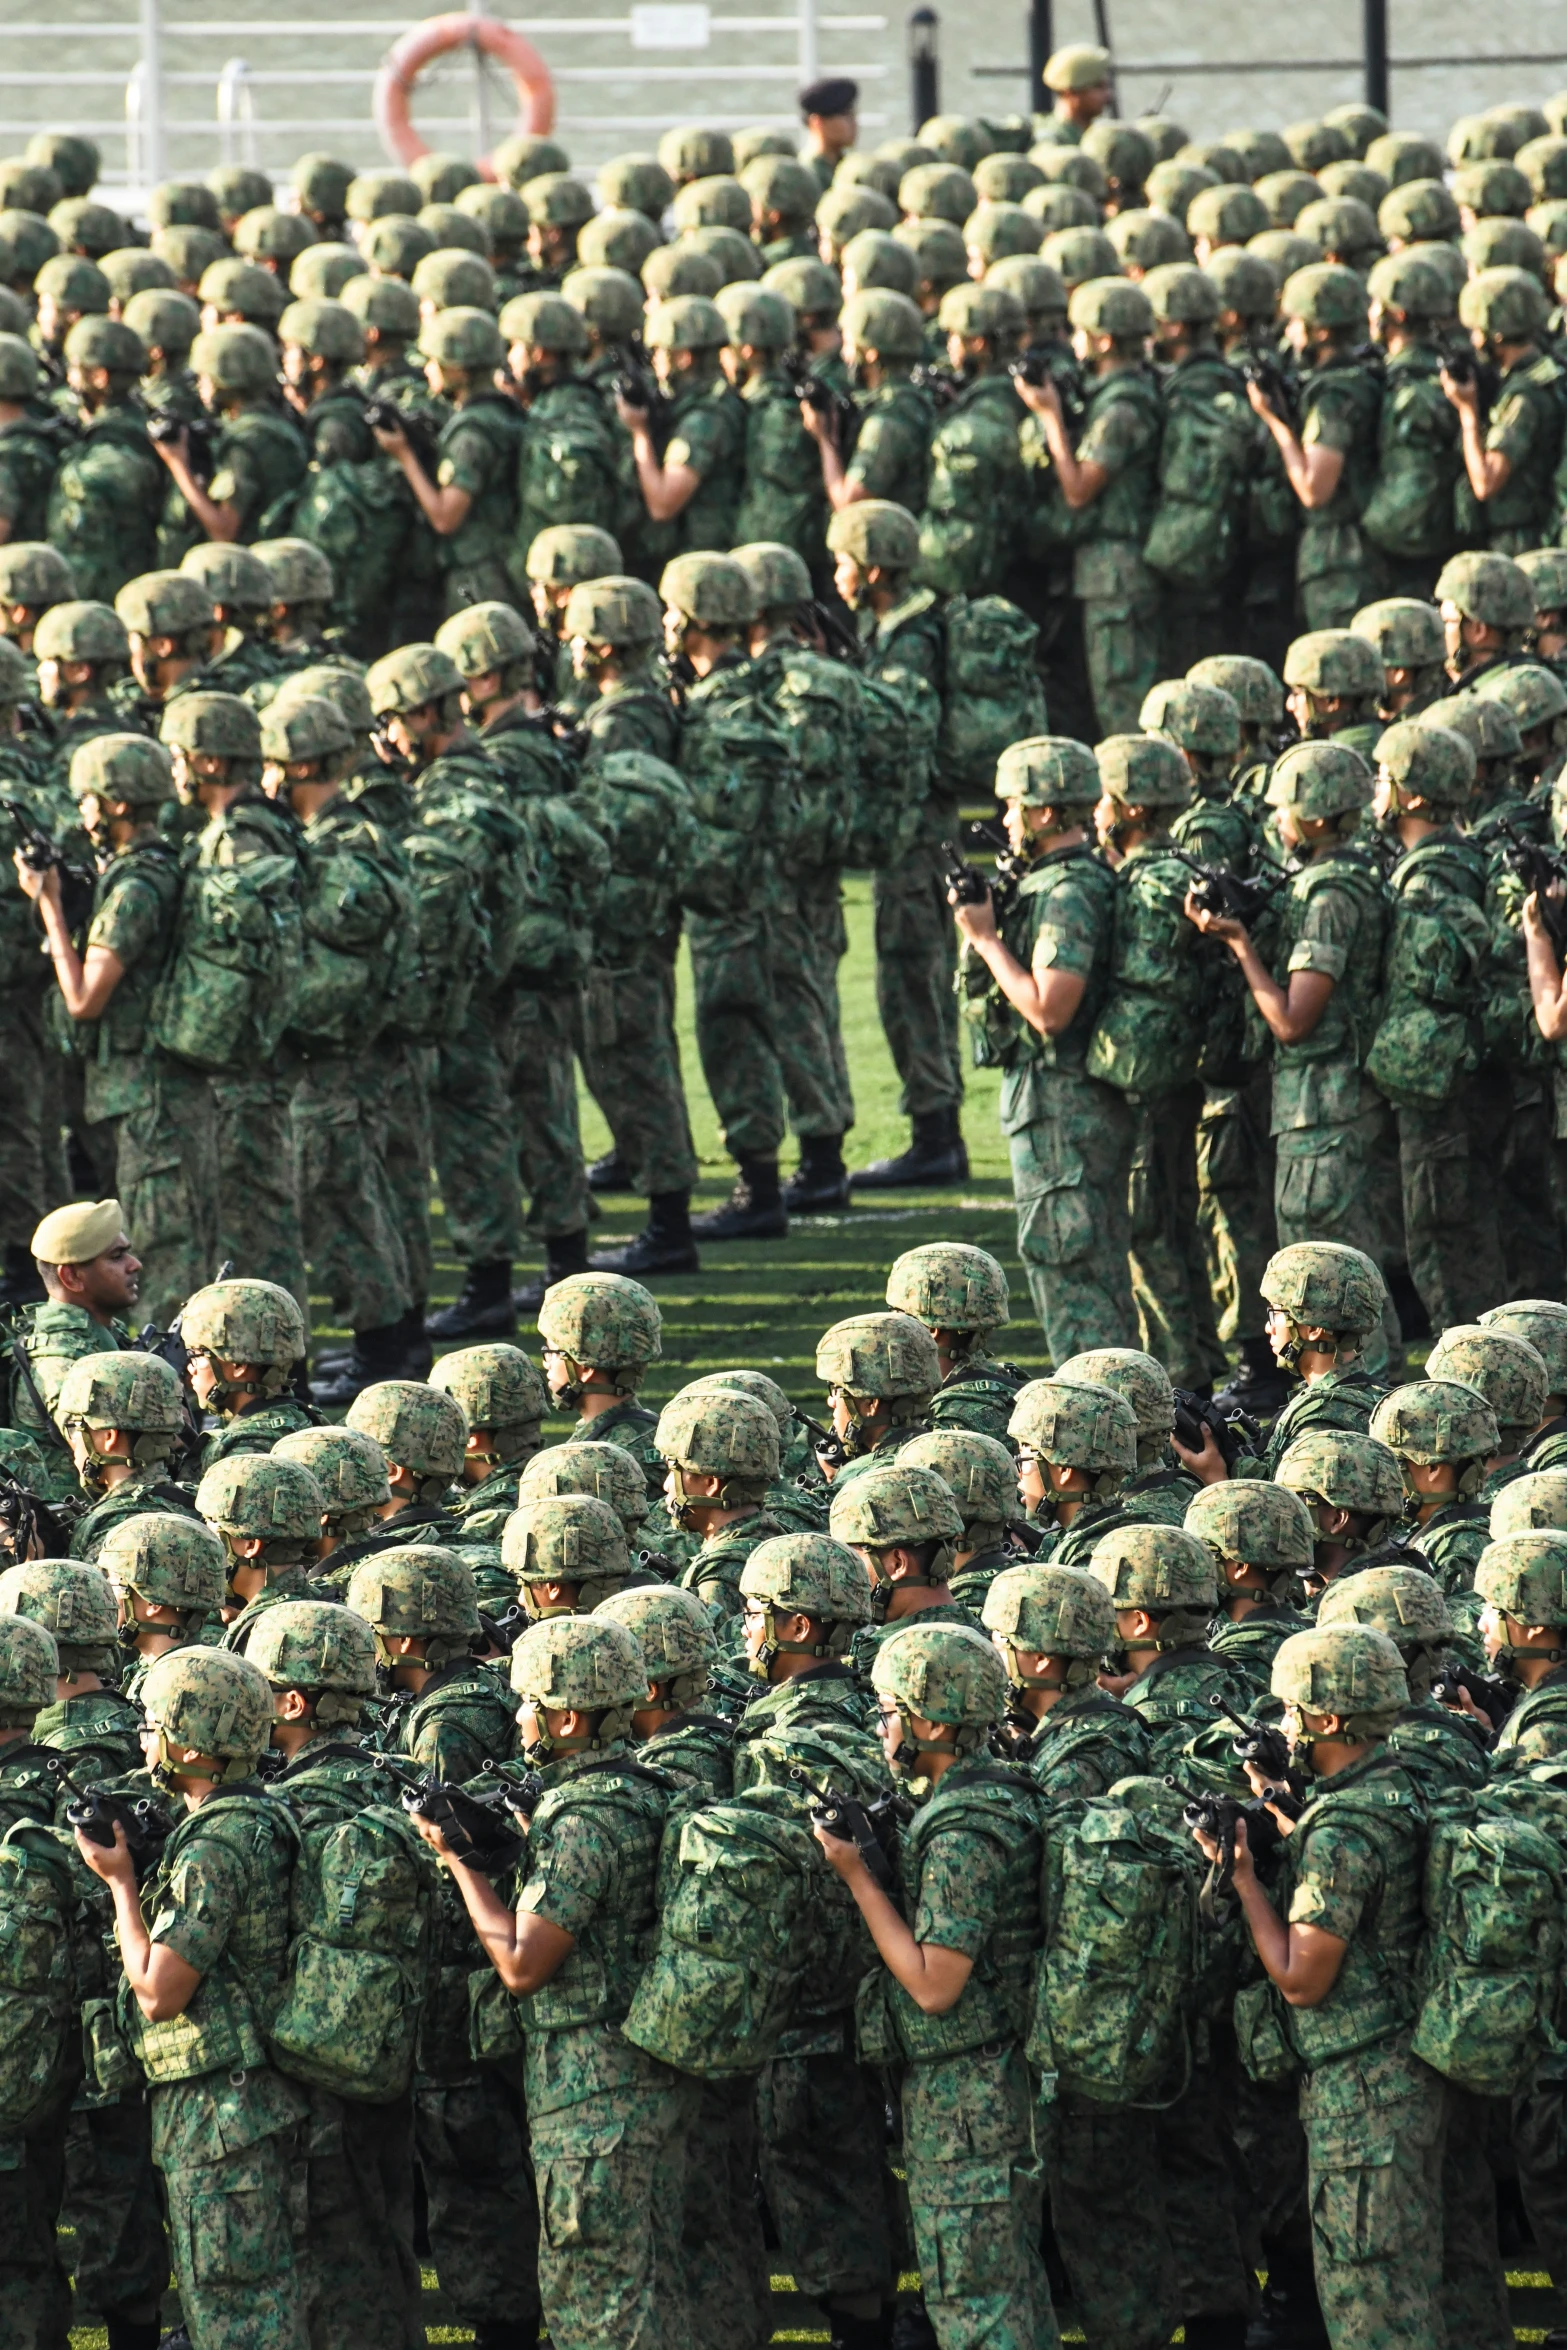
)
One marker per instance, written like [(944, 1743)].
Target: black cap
[(835, 95)]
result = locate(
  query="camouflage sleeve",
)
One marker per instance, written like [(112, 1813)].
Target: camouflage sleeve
[(571, 1868), (885, 447), (1539, 1741), (1514, 428), (1326, 936), (239, 481), (1338, 1878), (1070, 931), (467, 462), (1334, 419), (960, 1888), (447, 1748), (704, 440), (200, 1902), (130, 920), (1116, 437)]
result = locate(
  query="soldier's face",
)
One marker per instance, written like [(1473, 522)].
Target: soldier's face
[(111, 1280), (850, 581)]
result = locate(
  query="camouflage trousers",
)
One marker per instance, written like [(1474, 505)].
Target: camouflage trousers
[(402, 1095), (916, 965), (821, 2146), (1169, 1270), (351, 1227), (258, 1204), (736, 1028), (1450, 1211), (1330, 574), (471, 2140), (1071, 1144), (25, 1195), (809, 941), (1327, 1186), (1514, 1149), (475, 1140), (1235, 1202), (728, 2284), (975, 2189), (631, 1060), (167, 1180), (1374, 2128), (1090, 2151), (231, 2238), (35, 2292), (358, 2267), (1121, 646), (111, 2200), (543, 1033), (611, 2176)]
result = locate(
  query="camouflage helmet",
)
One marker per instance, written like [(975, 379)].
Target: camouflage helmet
[(463, 335), (714, 1432), (417, 1427), (1048, 1611), (1246, 284), (208, 1701), (496, 1385), (298, 571), (34, 574), (638, 183), (183, 204), (1076, 1423), (1543, 1323), (887, 1356), (1340, 224), (125, 769), (978, 1471), (75, 161), (327, 681), (1284, 195), (1031, 281), (321, 184), (1253, 1522), (579, 1664), (1198, 718), (618, 240), (105, 342), (243, 290), (1182, 294), (253, 1322), (326, 329), (28, 242), (949, 1285), (940, 255), (711, 590), (812, 1575), (73, 282), (1543, 162), (527, 157), (233, 577), (806, 284), (1110, 306), (1490, 730), (1439, 1420), (755, 1384), (1508, 304), (261, 1498), (1547, 570), (673, 1633), (607, 1471), (1345, 1470), (1122, 149), (486, 637), (878, 264), (320, 1647), (1531, 694), (372, 195), (545, 322), (603, 1321), (1143, 771), (567, 1538), (756, 316), (384, 303), (350, 1469), (570, 552), (1250, 684), (558, 200), (1506, 1369), (1144, 1382), (685, 322), (1490, 589), (411, 677), (80, 631), (1324, 294), (943, 1674), (1325, 1285), (417, 1591), (75, 1605), (303, 728), (877, 534), (1048, 771), (163, 319), (779, 576), (453, 231), (616, 610), (1333, 661), (1417, 212), (1524, 1575), (1152, 241), (1352, 1671), (931, 191), (138, 1393), (499, 211), (610, 301), (1405, 632), (167, 1560), (718, 200), (322, 271), (1320, 779), (1404, 1602), (1226, 215), (1504, 244), (165, 603), (1083, 256), (1537, 1499), (882, 1507), (994, 230), (238, 359), (18, 369), (1162, 1569), (1430, 763)]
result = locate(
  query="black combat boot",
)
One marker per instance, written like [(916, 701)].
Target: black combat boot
[(375, 1355), (610, 1173), (565, 1253), (664, 1245), (132, 2333), (754, 1209), (820, 1183), (484, 1309), (936, 1155)]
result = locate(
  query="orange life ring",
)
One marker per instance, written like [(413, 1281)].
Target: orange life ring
[(437, 37)]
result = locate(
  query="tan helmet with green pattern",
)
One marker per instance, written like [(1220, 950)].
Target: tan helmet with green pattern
[(207, 1707), (947, 1676), (321, 1649), (1523, 1577), (167, 1561), (1143, 771), (136, 1393), (1350, 1671), (950, 1285), (74, 1603), (979, 1473), (1507, 1370), (880, 1358), (1050, 1613), (1438, 1421), (607, 1471), (502, 1395), (674, 1634), (1077, 1423), (1048, 771), (350, 1469), (896, 1507), (1538, 1499), (602, 1322), (254, 1328), (29, 1666), (584, 1665), (1145, 1383), (1340, 1469), (1542, 1322), (417, 1591), (1261, 1534), (418, 1428), (713, 1432), (1406, 1604), (1164, 1571), (1326, 1286), (813, 1575), (567, 1550)]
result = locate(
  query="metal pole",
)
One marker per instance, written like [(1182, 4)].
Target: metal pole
[(151, 91), (1374, 21), (924, 64), (810, 56), (481, 94), (1041, 40)]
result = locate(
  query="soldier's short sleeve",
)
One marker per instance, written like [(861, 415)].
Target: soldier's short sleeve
[(238, 480), (200, 1902), (340, 440), (1337, 1879), (1514, 427), (12, 487), (129, 921), (467, 462), (1333, 420), (700, 441), (1117, 434), (571, 1867), (884, 447), (960, 1890), (1069, 933), (1326, 937)]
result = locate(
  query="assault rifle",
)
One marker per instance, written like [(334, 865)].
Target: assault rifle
[(384, 415), (843, 418), (638, 386), (1240, 897), (474, 1827), (1217, 1817), (1234, 1432), (29, 1528), (1263, 1748), (1255, 367), (870, 1827), (40, 854), (1494, 1696), (943, 383), (200, 435), (965, 884), (1543, 872), (98, 1811)]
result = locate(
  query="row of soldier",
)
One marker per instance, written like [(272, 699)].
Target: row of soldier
[(978, 1634)]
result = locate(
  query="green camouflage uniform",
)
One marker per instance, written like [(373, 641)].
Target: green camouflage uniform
[(1247, 1645), (891, 453), (1524, 425), (1344, 1397), (1536, 1729), (357, 508), (103, 506), (706, 426), (978, 1393), (51, 1338), (1407, 520), (35, 2291), (1176, 1696), (1198, 536), (478, 451), (782, 498), (632, 1426), (1452, 1539), (259, 459), (29, 1175), (974, 504), (714, 1570), (257, 1427), (1084, 1744), (1339, 403), (151, 1488), (568, 463), (869, 1637), (1118, 594), (30, 450)]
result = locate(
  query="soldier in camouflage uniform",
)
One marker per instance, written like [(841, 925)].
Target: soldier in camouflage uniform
[(169, 620), (1076, 1448), (961, 1295), (223, 2120), (948, 2011), (259, 454), (781, 497), (471, 503), (1163, 1586), (1435, 1741), (244, 1340), (564, 1552), (562, 558), (421, 1433), (169, 1576), (240, 587), (268, 1515), (1373, 2113), (1521, 1579), (1512, 1376), (905, 1526), (1407, 636), (975, 499), (723, 1455), (1260, 1538), (1326, 1303), (33, 577), (504, 1401), (81, 649), (1208, 455), (30, 445), (609, 1473), (104, 500), (92, 1278), (1542, 1323), (1052, 1628), (1146, 1043), (569, 460), (1407, 521), (120, 1415), (1163, 1484), (1354, 1489), (883, 341), (692, 474), (1443, 1434), (881, 1372), (601, 2114), (980, 1473), (1046, 965), (678, 1648), (1336, 681), (600, 1332), (1511, 444), (1331, 460), (351, 1471)]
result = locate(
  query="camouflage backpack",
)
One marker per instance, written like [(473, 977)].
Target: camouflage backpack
[(1204, 479), (454, 937), (992, 695), (228, 991), (893, 779), (361, 948), (567, 872), (1490, 1966), (37, 1974), (739, 765), (640, 808), (360, 516)]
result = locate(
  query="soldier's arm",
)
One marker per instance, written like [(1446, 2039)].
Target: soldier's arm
[(524, 1948), (445, 505), (1314, 465), (667, 486), (1081, 472), (85, 985), (932, 1973), (1546, 987), (1489, 468), (1048, 996), (1302, 1959), (1291, 1011), (164, 1984), (220, 518)]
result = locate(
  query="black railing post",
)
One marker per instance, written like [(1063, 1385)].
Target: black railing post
[(1374, 21), (924, 64), (1041, 40)]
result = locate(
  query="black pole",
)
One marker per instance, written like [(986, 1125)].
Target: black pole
[(924, 64), (1041, 40), (1374, 20)]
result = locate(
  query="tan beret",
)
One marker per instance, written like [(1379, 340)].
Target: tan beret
[(1082, 67), (71, 1235)]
